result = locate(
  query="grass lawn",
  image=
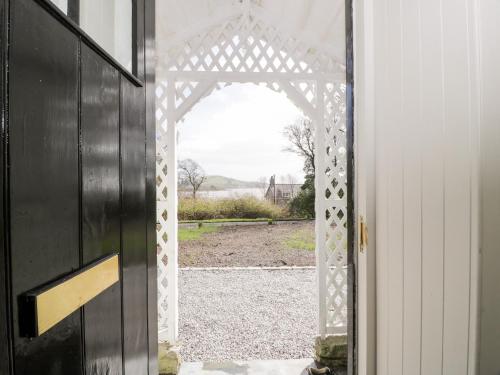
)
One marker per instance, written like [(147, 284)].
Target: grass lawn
[(259, 220), (301, 240), (191, 234), (224, 221)]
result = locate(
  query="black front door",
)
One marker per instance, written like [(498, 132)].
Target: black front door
[(77, 183)]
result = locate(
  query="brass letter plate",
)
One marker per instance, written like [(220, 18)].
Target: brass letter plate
[(43, 308)]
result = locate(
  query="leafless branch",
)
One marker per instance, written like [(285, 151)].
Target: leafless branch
[(301, 137), (191, 173)]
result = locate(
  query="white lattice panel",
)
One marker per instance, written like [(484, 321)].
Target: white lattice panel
[(247, 44), (162, 207), (252, 51), (307, 88), (335, 194)]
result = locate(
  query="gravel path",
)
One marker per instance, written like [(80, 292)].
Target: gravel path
[(247, 314)]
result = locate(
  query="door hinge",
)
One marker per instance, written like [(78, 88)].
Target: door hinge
[(363, 235)]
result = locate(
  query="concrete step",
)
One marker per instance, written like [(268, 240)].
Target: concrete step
[(257, 367)]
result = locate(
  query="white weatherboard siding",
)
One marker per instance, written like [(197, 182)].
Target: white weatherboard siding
[(489, 358), (426, 142)]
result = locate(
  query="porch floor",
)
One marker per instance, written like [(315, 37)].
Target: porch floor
[(257, 367)]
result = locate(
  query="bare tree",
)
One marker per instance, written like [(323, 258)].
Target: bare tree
[(191, 173), (301, 137)]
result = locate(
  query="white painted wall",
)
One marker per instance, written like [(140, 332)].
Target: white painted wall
[(426, 118), (489, 358)]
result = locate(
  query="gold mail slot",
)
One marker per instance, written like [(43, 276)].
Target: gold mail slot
[(42, 309)]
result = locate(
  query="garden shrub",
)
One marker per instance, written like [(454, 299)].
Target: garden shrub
[(303, 205), (229, 208)]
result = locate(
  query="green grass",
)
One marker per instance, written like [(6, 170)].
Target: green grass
[(240, 220), (301, 240), (191, 234), (236, 220)]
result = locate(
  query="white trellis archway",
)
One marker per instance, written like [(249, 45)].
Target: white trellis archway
[(245, 47)]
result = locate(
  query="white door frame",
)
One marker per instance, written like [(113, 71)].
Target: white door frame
[(364, 148), (315, 82)]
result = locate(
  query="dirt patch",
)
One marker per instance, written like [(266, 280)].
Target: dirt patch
[(277, 245)]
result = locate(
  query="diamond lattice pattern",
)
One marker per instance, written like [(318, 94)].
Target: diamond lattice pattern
[(246, 44), (335, 195)]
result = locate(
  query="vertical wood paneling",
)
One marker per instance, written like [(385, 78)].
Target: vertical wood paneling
[(474, 46), (101, 206), (149, 14), (425, 185), (475, 38), (489, 360), (457, 187), (394, 136), (134, 250), (44, 181), (65, 190), (382, 191), (5, 344), (432, 190), (411, 142)]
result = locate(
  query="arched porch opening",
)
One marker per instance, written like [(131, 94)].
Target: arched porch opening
[(245, 48)]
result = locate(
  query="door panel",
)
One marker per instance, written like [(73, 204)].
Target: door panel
[(425, 121), (4, 282), (75, 162), (134, 255), (44, 178), (149, 28), (101, 206)]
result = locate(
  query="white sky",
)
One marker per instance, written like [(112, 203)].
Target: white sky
[(237, 132)]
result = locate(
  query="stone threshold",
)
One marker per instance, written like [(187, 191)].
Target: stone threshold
[(256, 367)]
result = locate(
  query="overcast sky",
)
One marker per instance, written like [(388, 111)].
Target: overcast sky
[(237, 132)]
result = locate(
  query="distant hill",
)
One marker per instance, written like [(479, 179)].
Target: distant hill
[(224, 183)]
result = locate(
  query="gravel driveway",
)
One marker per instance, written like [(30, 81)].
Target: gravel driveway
[(247, 314), (259, 245)]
